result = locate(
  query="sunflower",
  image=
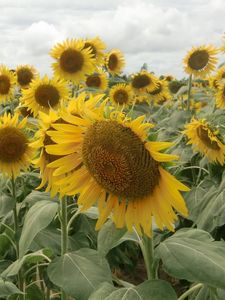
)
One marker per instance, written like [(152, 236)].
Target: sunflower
[(220, 95), (223, 47), (121, 95), (220, 74), (44, 94), (7, 84), (174, 86), (97, 80), (43, 159), (114, 61), (74, 61), (161, 92), (205, 140), (15, 150), (143, 82), (97, 47), (110, 160), (200, 61), (25, 74)]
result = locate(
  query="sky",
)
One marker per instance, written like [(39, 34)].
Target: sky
[(156, 32)]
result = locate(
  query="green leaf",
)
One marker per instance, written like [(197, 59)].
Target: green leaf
[(208, 293), (37, 196), (79, 273), (104, 290), (108, 237), (149, 290), (38, 217), (8, 288), (6, 205), (34, 292), (192, 254)]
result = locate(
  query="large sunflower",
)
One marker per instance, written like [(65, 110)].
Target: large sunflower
[(143, 82), (161, 92), (7, 84), (44, 94), (205, 140), (200, 61), (25, 74), (97, 47), (121, 95), (97, 80), (220, 95), (15, 150), (110, 161), (114, 61), (74, 61)]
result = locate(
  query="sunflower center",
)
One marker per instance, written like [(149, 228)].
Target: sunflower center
[(121, 97), (13, 144), (118, 160), (204, 137), (91, 47), (93, 81), (25, 112), (198, 60), (113, 62), (140, 81), (157, 90), (47, 95), (24, 76), (4, 84), (71, 61)]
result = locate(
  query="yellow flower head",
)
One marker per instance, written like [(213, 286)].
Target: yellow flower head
[(44, 94), (200, 61), (25, 74), (161, 92), (7, 84), (205, 140), (15, 150), (121, 95), (115, 61), (97, 47), (143, 82), (97, 80), (73, 60), (220, 95), (109, 160)]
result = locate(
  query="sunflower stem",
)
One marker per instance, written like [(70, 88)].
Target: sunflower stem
[(64, 235), (147, 248), (16, 230), (189, 93), (190, 291)]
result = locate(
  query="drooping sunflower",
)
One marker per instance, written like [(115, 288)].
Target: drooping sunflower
[(74, 61), (143, 82), (15, 150), (200, 61), (205, 140), (43, 159), (44, 94), (220, 95), (161, 92), (97, 47), (111, 161), (7, 84), (97, 80), (121, 94), (25, 74), (114, 61)]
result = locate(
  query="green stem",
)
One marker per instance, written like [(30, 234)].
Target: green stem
[(190, 291), (147, 248), (16, 230), (64, 236), (189, 92)]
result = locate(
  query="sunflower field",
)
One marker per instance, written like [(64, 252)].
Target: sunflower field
[(112, 185)]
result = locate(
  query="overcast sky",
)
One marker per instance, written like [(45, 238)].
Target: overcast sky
[(158, 32)]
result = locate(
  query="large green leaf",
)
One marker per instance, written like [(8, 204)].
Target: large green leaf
[(38, 217), (206, 205), (149, 290), (192, 254), (207, 293), (6, 205), (104, 290), (108, 237), (8, 288), (79, 273)]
